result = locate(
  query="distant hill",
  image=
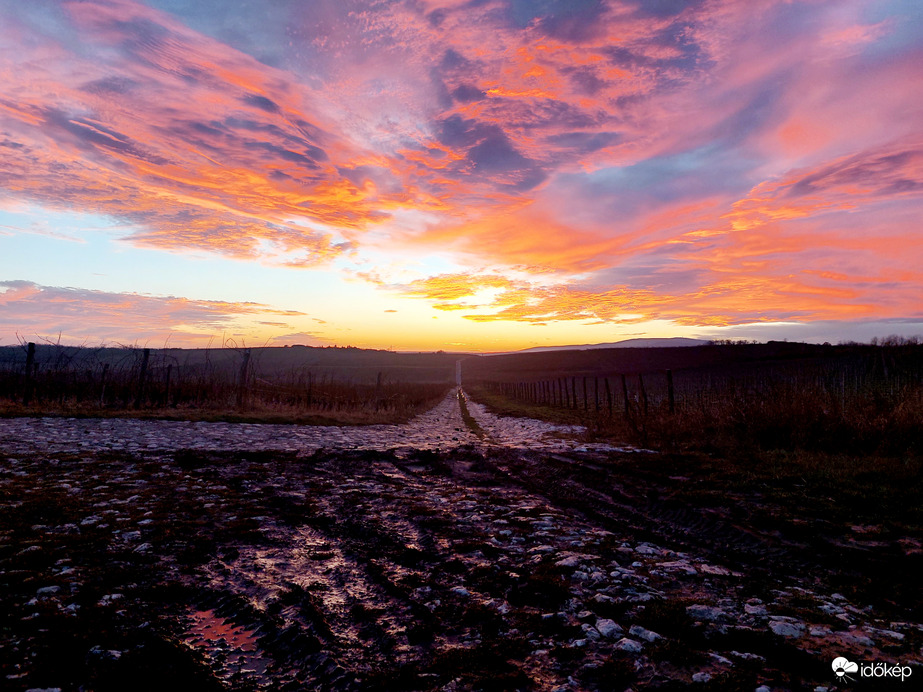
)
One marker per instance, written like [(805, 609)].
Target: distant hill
[(627, 343), (720, 360)]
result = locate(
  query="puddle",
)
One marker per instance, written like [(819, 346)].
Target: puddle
[(232, 650)]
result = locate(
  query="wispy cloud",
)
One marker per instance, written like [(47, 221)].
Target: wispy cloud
[(701, 162), (98, 316)]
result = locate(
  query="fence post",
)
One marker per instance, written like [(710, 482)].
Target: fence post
[(643, 393), (166, 395), (573, 391), (670, 396), (30, 365), (102, 386), (586, 403), (242, 384), (608, 395), (596, 393), (144, 359), (625, 395)]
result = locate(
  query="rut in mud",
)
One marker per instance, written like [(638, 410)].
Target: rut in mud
[(474, 563)]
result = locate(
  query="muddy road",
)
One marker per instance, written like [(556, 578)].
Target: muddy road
[(459, 552)]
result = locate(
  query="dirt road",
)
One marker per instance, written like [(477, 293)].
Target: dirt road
[(419, 557)]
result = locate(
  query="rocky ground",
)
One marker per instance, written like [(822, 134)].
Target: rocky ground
[(497, 554)]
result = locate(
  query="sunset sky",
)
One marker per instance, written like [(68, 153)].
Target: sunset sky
[(459, 174)]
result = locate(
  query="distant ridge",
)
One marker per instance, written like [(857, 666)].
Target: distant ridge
[(678, 341)]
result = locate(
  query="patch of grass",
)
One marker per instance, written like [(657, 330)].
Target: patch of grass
[(500, 405), (470, 423), (277, 415)]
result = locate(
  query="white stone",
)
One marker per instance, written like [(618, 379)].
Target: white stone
[(783, 628), (678, 566), (629, 645), (716, 570), (706, 612), (590, 632), (608, 628), (642, 633)]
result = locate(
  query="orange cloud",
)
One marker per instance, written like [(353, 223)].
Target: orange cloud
[(655, 161), (521, 237), (444, 287), (197, 145), (81, 315)]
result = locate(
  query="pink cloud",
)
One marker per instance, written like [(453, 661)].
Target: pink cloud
[(98, 316), (703, 162)]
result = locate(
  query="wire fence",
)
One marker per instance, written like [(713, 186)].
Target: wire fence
[(869, 400), (842, 382), (145, 379)]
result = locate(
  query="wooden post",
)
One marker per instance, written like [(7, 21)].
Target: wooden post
[(166, 394), (643, 393), (670, 397), (586, 402), (145, 356), (625, 395), (102, 386), (30, 365), (242, 382), (596, 393), (608, 395), (573, 391)]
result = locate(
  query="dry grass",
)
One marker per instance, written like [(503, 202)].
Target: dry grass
[(215, 397), (800, 444), (871, 407), (780, 417), (259, 414), (274, 385)]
